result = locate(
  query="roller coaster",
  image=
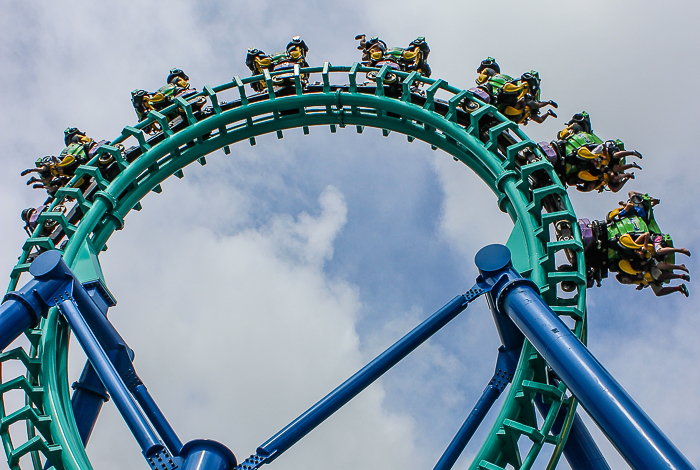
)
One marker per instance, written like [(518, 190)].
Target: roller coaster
[(68, 290)]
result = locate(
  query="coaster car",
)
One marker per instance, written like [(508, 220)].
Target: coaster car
[(584, 160), (517, 99), (630, 243), (52, 173), (375, 53), (30, 217), (177, 87), (295, 54)]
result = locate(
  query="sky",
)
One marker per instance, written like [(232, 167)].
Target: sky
[(259, 282)]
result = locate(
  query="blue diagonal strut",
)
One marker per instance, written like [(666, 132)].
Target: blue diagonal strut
[(505, 367), (55, 285), (318, 413)]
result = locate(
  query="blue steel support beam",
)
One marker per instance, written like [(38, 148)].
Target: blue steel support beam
[(505, 367), (90, 393), (640, 442), (15, 317), (166, 432), (87, 400), (318, 413), (121, 357), (85, 309), (24, 308), (580, 449), (134, 418)]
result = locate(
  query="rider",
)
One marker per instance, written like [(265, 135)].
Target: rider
[(643, 280), (521, 99), (415, 56), (177, 82), (517, 99), (373, 50), (257, 61), (297, 50), (178, 78), (487, 69), (580, 122), (140, 99), (589, 162), (44, 179), (375, 53), (637, 204), (55, 172), (177, 86)]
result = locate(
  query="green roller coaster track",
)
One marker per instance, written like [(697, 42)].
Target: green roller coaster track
[(510, 164)]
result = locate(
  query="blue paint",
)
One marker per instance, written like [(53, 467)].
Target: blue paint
[(631, 431), (318, 413), (203, 454), (15, 317), (156, 417), (134, 418), (87, 401), (505, 368), (110, 369), (581, 451), (121, 357), (24, 308)]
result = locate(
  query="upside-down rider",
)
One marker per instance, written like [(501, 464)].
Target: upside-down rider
[(586, 161), (638, 250), (518, 99)]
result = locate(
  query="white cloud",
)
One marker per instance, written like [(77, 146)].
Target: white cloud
[(245, 332), (74, 63)]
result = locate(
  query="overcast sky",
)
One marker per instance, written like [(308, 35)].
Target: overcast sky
[(259, 282)]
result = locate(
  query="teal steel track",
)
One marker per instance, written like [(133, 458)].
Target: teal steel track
[(508, 162)]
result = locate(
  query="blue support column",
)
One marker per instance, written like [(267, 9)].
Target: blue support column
[(15, 317), (110, 365), (204, 454), (24, 308), (166, 432), (629, 429), (87, 400), (505, 367), (85, 308), (137, 423), (580, 449), (318, 413), (121, 357), (465, 433)]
